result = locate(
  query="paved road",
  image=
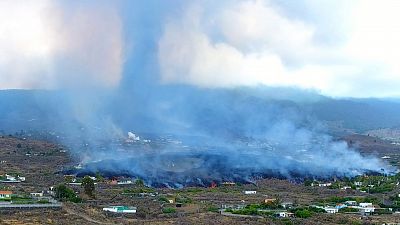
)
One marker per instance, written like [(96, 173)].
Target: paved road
[(53, 205), (238, 215)]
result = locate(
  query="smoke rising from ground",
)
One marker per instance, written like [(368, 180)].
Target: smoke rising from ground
[(203, 96)]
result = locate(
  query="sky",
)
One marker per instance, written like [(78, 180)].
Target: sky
[(335, 48)]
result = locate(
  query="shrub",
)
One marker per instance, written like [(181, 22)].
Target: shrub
[(169, 210), (303, 213)]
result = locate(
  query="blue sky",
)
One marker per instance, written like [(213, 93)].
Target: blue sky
[(336, 48)]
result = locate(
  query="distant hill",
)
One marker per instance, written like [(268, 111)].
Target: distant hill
[(21, 109), (359, 114)]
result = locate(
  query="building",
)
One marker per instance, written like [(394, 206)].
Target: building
[(5, 195), (229, 183), (250, 192), (358, 183), (332, 210), (36, 194), (369, 210), (365, 204), (124, 182), (351, 203), (233, 206), (284, 214), (287, 204), (120, 209), (345, 188), (269, 200), (325, 185)]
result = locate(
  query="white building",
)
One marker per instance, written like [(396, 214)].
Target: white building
[(123, 182), (332, 210), (120, 209), (36, 194), (325, 185), (250, 192), (367, 210), (284, 214), (351, 203), (365, 204), (358, 183)]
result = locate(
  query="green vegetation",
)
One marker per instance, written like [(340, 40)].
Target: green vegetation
[(370, 184), (303, 213), (138, 190), (65, 193), (99, 178), (43, 201), (16, 199), (88, 186), (163, 199), (347, 210), (183, 199), (212, 209), (316, 210), (139, 182), (169, 210)]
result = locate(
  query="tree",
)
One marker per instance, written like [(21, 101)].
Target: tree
[(88, 186), (65, 193), (303, 213), (99, 178), (139, 182)]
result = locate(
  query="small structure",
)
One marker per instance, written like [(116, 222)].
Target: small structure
[(325, 185), (358, 183), (341, 206), (171, 201), (345, 188), (124, 182), (330, 209), (365, 211), (350, 203), (284, 214), (365, 204), (5, 195), (287, 204), (229, 183), (12, 179), (36, 194), (120, 209), (233, 206), (250, 192), (269, 200)]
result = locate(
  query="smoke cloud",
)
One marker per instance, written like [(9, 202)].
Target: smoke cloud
[(50, 45), (209, 91)]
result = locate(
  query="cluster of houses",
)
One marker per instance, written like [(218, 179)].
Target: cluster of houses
[(11, 179), (364, 208)]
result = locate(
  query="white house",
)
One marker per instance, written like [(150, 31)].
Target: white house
[(367, 210), (123, 182), (345, 187), (351, 203), (365, 204), (284, 214), (330, 209), (325, 185), (36, 194), (120, 209), (250, 192), (358, 183)]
